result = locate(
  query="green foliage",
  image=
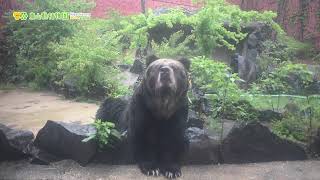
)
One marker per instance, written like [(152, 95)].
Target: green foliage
[(213, 75), (301, 119), (216, 24), (291, 127), (88, 60), (213, 23), (295, 47), (172, 48), (106, 135), (272, 55), (288, 78), (27, 41)]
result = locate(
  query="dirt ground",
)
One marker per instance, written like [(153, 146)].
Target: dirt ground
[(69, 170), (25, 109)]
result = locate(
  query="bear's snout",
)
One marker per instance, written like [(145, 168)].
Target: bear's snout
[(166, 74)]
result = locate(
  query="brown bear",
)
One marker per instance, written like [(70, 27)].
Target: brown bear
[(157, 115)]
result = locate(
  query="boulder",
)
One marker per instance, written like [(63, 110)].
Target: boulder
[(137, 67), (203, 148), (118, 155), (253, 142), (194, 120), (269, 115), (40, 157), (14, 143), (65, 140), (315, 144), (252, 41)]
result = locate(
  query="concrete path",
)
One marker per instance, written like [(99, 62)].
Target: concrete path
[(30, 110), (69, 170)]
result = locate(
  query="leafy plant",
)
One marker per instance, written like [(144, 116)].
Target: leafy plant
[(88, 60), (216, 24), (106, 134), (212, 75), (288, 78), (291, 128), (172, 48), (27, 41)]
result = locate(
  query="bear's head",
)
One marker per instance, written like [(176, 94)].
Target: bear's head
[(166, 77)]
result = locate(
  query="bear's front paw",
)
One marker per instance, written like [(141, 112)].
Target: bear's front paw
[(149, 169), (171, 172)]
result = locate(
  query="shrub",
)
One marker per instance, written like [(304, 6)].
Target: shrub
[(288, 78), (291, 127), (173, 48), (216, 24), (88, 60), (106, 135), (27, 41), (215, 78)]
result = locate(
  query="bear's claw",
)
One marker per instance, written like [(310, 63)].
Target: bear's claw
[(153, 172), (172, 175)]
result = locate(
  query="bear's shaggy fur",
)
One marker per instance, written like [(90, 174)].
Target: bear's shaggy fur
[(157, 116)]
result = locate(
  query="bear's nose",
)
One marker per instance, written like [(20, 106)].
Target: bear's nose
[(165, 69)]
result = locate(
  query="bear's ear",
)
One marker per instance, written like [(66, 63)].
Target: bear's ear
[(186, 63), (150, 59)]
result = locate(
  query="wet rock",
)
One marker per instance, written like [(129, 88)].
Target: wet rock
[(315, 144), (14, 143), (252, 55), (252, 40), (69, 88), (117, 155), (65, 140), (203, 148), (253, 142), (137, 66), (269, 115), (194, 120), (40, 157)]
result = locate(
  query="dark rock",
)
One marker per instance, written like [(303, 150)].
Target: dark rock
[(253, 142), (247, 69), (65, 140), (194, 120), (252, 55), (41, 157), (124, 66), (69, 88), (252, 41), (117, 155), (14, 143), (203, 149), (137, 66), (269, 115), (315, 144)]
